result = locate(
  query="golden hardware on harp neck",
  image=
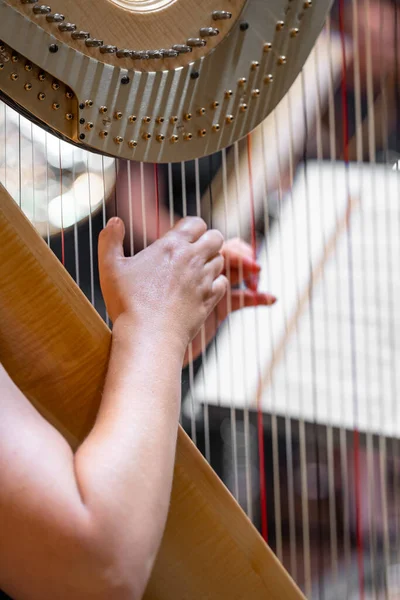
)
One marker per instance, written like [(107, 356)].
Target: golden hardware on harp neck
[(110, 49), (229, 92)]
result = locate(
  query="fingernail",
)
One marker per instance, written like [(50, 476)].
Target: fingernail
[(253, 281), (251, 264), (267, 299), (113, 221)]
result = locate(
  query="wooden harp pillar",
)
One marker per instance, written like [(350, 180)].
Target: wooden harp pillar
[(55, 347)]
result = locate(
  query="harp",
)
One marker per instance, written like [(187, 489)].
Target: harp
[(251, 116)]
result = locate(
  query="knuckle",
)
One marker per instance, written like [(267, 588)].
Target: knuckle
[(223, 285), (207, 292), (217, 236), (220, 263), (171, 242), (198, 223), (176, 249), (183, 222), (192, 224), (103, 235)]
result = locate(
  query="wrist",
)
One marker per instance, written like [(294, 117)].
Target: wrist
[(149, 335)]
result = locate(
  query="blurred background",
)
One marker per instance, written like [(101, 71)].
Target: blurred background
[(295, 406)]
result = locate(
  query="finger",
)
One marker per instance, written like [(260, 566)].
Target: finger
[(252, 282), (192, 228), (215, 266), (245, 298), (234, 276), (238, 246), (238, 275), (210, 244), (219, 289), (238, 260), (110, 241)]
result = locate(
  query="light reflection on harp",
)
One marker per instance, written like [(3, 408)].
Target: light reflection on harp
[(322, 363)]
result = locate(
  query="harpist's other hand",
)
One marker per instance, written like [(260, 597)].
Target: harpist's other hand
[(240, 264), (240, 267), (170, 288)]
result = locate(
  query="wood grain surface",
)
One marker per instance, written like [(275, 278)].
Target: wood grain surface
[(56, 347)]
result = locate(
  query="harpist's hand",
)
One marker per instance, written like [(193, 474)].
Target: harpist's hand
[(168, 289), (240, 267)]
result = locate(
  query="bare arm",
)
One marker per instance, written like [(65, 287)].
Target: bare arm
[(124, 469), (88, 526)]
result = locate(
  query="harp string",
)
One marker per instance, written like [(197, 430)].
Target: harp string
[(383, 449), (394, 343), (206, 416), (247, 428), (356, 434), (260, 415), (61, 200), (185, 212), (315, 330), (359, 469), (373, 483), (288, 421), (91, 241), (329, 449), (46, 184), (157, 190), (130, 211), (343, 436), (234, 423), (274, 418), (143, 203), (311, 333)]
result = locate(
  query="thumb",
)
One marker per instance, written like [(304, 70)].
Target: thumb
[(110, 241)]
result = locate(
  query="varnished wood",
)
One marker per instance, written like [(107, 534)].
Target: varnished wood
[(55, 347)]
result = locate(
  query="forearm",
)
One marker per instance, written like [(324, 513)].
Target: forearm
[(124, 468)]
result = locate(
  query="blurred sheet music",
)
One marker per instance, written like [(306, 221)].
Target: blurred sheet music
[(300, 349)]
